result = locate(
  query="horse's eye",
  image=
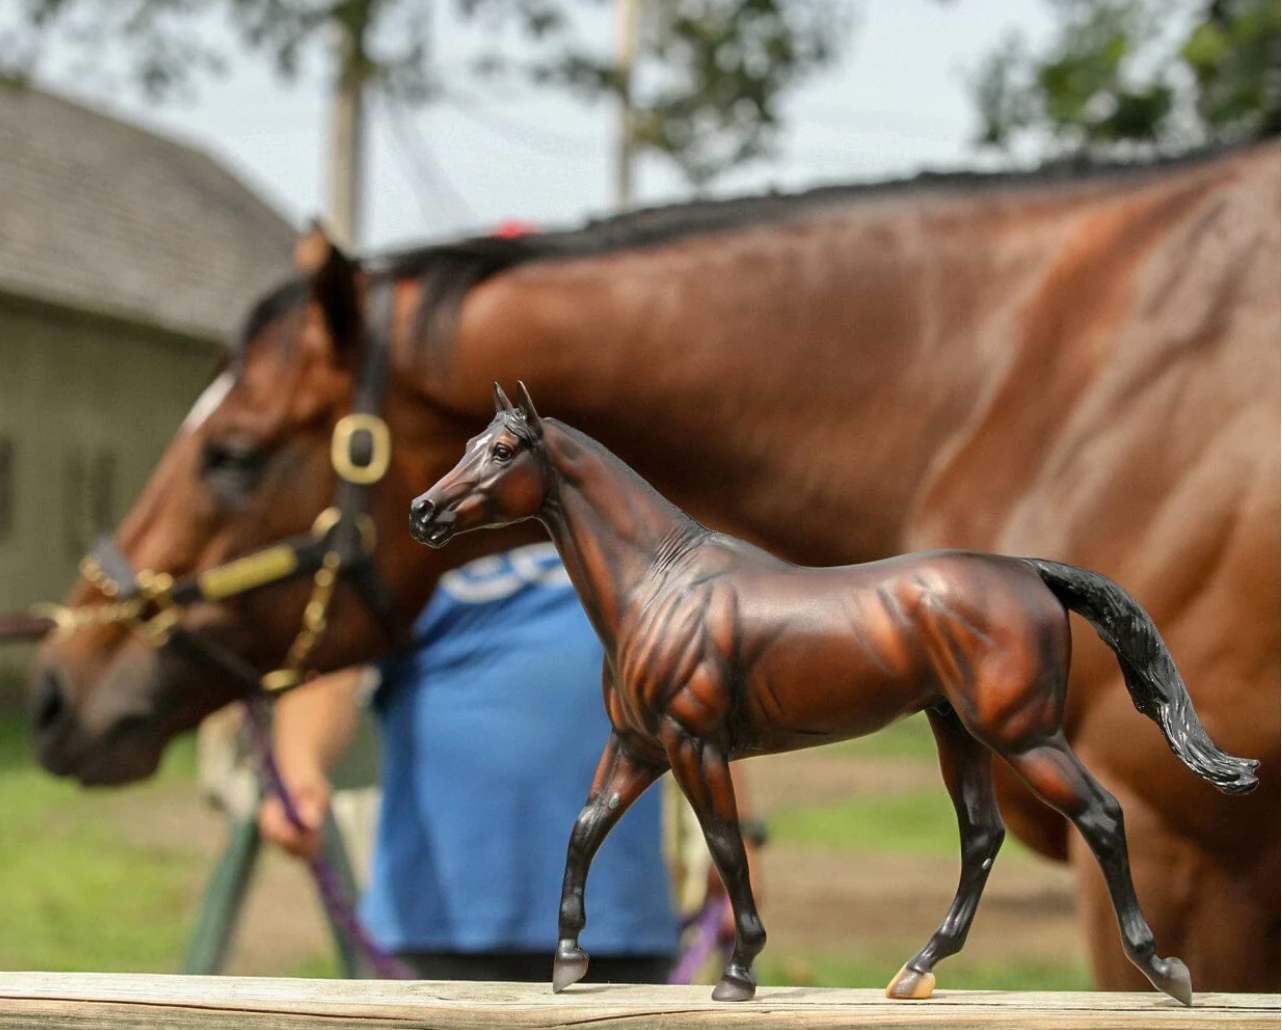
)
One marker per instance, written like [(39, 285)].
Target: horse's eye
[(502, 452), (232, 468)]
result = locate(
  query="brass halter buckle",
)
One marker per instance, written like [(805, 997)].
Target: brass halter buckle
[(340, 450), (155, 589)]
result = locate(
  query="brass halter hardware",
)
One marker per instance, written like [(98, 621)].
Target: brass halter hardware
[(150, 603), (153, 614), (315, 622), (316, 613), (340, 450), (153, 594), (242, 574)]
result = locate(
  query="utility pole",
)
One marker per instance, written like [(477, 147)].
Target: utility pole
[(347, 124), (625, 152)]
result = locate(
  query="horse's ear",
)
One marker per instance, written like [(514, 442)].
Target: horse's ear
[(526, 406), (331, 274), (501, 403)]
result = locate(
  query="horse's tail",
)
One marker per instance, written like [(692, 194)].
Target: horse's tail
[(1155, 684)]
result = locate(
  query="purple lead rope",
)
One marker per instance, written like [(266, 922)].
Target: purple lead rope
[(704, 928), (333, 895)]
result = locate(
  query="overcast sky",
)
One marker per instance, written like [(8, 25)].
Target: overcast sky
[(899, 101)]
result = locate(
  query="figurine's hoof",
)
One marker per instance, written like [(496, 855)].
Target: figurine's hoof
[(1173, 978), (909, 984), (733, 988), (569, 967)]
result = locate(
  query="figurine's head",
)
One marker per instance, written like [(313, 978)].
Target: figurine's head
[(499, 480)]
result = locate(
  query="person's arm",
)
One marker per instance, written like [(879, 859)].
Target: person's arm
[(311, 729)]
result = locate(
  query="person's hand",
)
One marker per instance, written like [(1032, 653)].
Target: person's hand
[(311, 795)]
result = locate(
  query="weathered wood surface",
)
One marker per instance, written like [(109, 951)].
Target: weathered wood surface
[(123, 1001)]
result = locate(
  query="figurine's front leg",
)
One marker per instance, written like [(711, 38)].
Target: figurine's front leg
[(702, 770), (621, 778)]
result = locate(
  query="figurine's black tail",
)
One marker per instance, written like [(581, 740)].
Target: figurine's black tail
[(1155, 684)]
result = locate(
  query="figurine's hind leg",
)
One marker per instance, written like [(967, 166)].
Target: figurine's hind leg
[(702, 771), (620, 779), (968, 773), (1054, 773)]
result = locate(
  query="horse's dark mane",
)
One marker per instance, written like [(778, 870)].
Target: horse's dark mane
[(286, 297), (447, 271)]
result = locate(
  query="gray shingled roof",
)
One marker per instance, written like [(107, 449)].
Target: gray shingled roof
[(100, 214)]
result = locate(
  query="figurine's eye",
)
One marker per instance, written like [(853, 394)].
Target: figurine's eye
[(502, 452)]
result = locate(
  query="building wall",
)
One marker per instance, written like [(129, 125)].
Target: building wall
[(87, 405)]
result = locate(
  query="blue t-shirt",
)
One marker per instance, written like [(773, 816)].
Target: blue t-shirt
[(492, 731)]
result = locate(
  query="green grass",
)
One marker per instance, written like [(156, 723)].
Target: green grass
[(916, 822), (82, 890), (956, 973), (908, 738), (921, 822), (78, 893), (318, 967)]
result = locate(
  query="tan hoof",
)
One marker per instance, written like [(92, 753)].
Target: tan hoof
[(909, 984)]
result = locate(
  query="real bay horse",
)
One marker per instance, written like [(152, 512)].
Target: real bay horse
[(1084, 368), (717, 650)]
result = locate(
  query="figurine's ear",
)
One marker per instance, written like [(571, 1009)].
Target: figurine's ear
[(501, 403), (526, 406), (331, 274)]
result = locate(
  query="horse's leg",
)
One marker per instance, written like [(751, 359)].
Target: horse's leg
[(621, 778), (702, 771), (968, 773), (1054, 773)]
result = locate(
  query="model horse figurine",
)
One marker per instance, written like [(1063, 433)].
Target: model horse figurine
[(716, 650)]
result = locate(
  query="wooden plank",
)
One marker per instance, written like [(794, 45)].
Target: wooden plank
[(121, 1001)]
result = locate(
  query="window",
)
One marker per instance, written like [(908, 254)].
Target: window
[(7, 474), (88, 498)]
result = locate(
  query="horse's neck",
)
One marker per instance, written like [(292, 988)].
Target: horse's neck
[(751, 376), (608, 524), (775, 380)]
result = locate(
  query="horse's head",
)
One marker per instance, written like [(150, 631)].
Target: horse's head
[(269, 447), (501, 478)]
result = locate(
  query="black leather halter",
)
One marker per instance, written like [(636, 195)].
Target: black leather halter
[(339, 548)]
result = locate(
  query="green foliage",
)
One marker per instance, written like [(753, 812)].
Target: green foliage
[(706, 93), (713, 72), (1117, 76), (1234, 57)]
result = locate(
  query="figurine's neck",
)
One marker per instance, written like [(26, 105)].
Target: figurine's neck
[(608, 523)]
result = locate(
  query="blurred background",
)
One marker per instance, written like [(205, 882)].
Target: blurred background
[(157, 160)]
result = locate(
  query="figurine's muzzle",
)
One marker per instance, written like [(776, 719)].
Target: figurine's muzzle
[(431, 523)]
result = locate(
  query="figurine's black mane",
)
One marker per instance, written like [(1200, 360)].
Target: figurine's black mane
[(516, 423), (447, 271)]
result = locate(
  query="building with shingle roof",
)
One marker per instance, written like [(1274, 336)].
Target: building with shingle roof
[(99, 214), (127, 260)]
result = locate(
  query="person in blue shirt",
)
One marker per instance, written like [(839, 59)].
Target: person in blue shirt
[(492, 728)]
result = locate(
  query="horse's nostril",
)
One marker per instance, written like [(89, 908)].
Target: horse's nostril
[(49, 700), (422, 508)]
